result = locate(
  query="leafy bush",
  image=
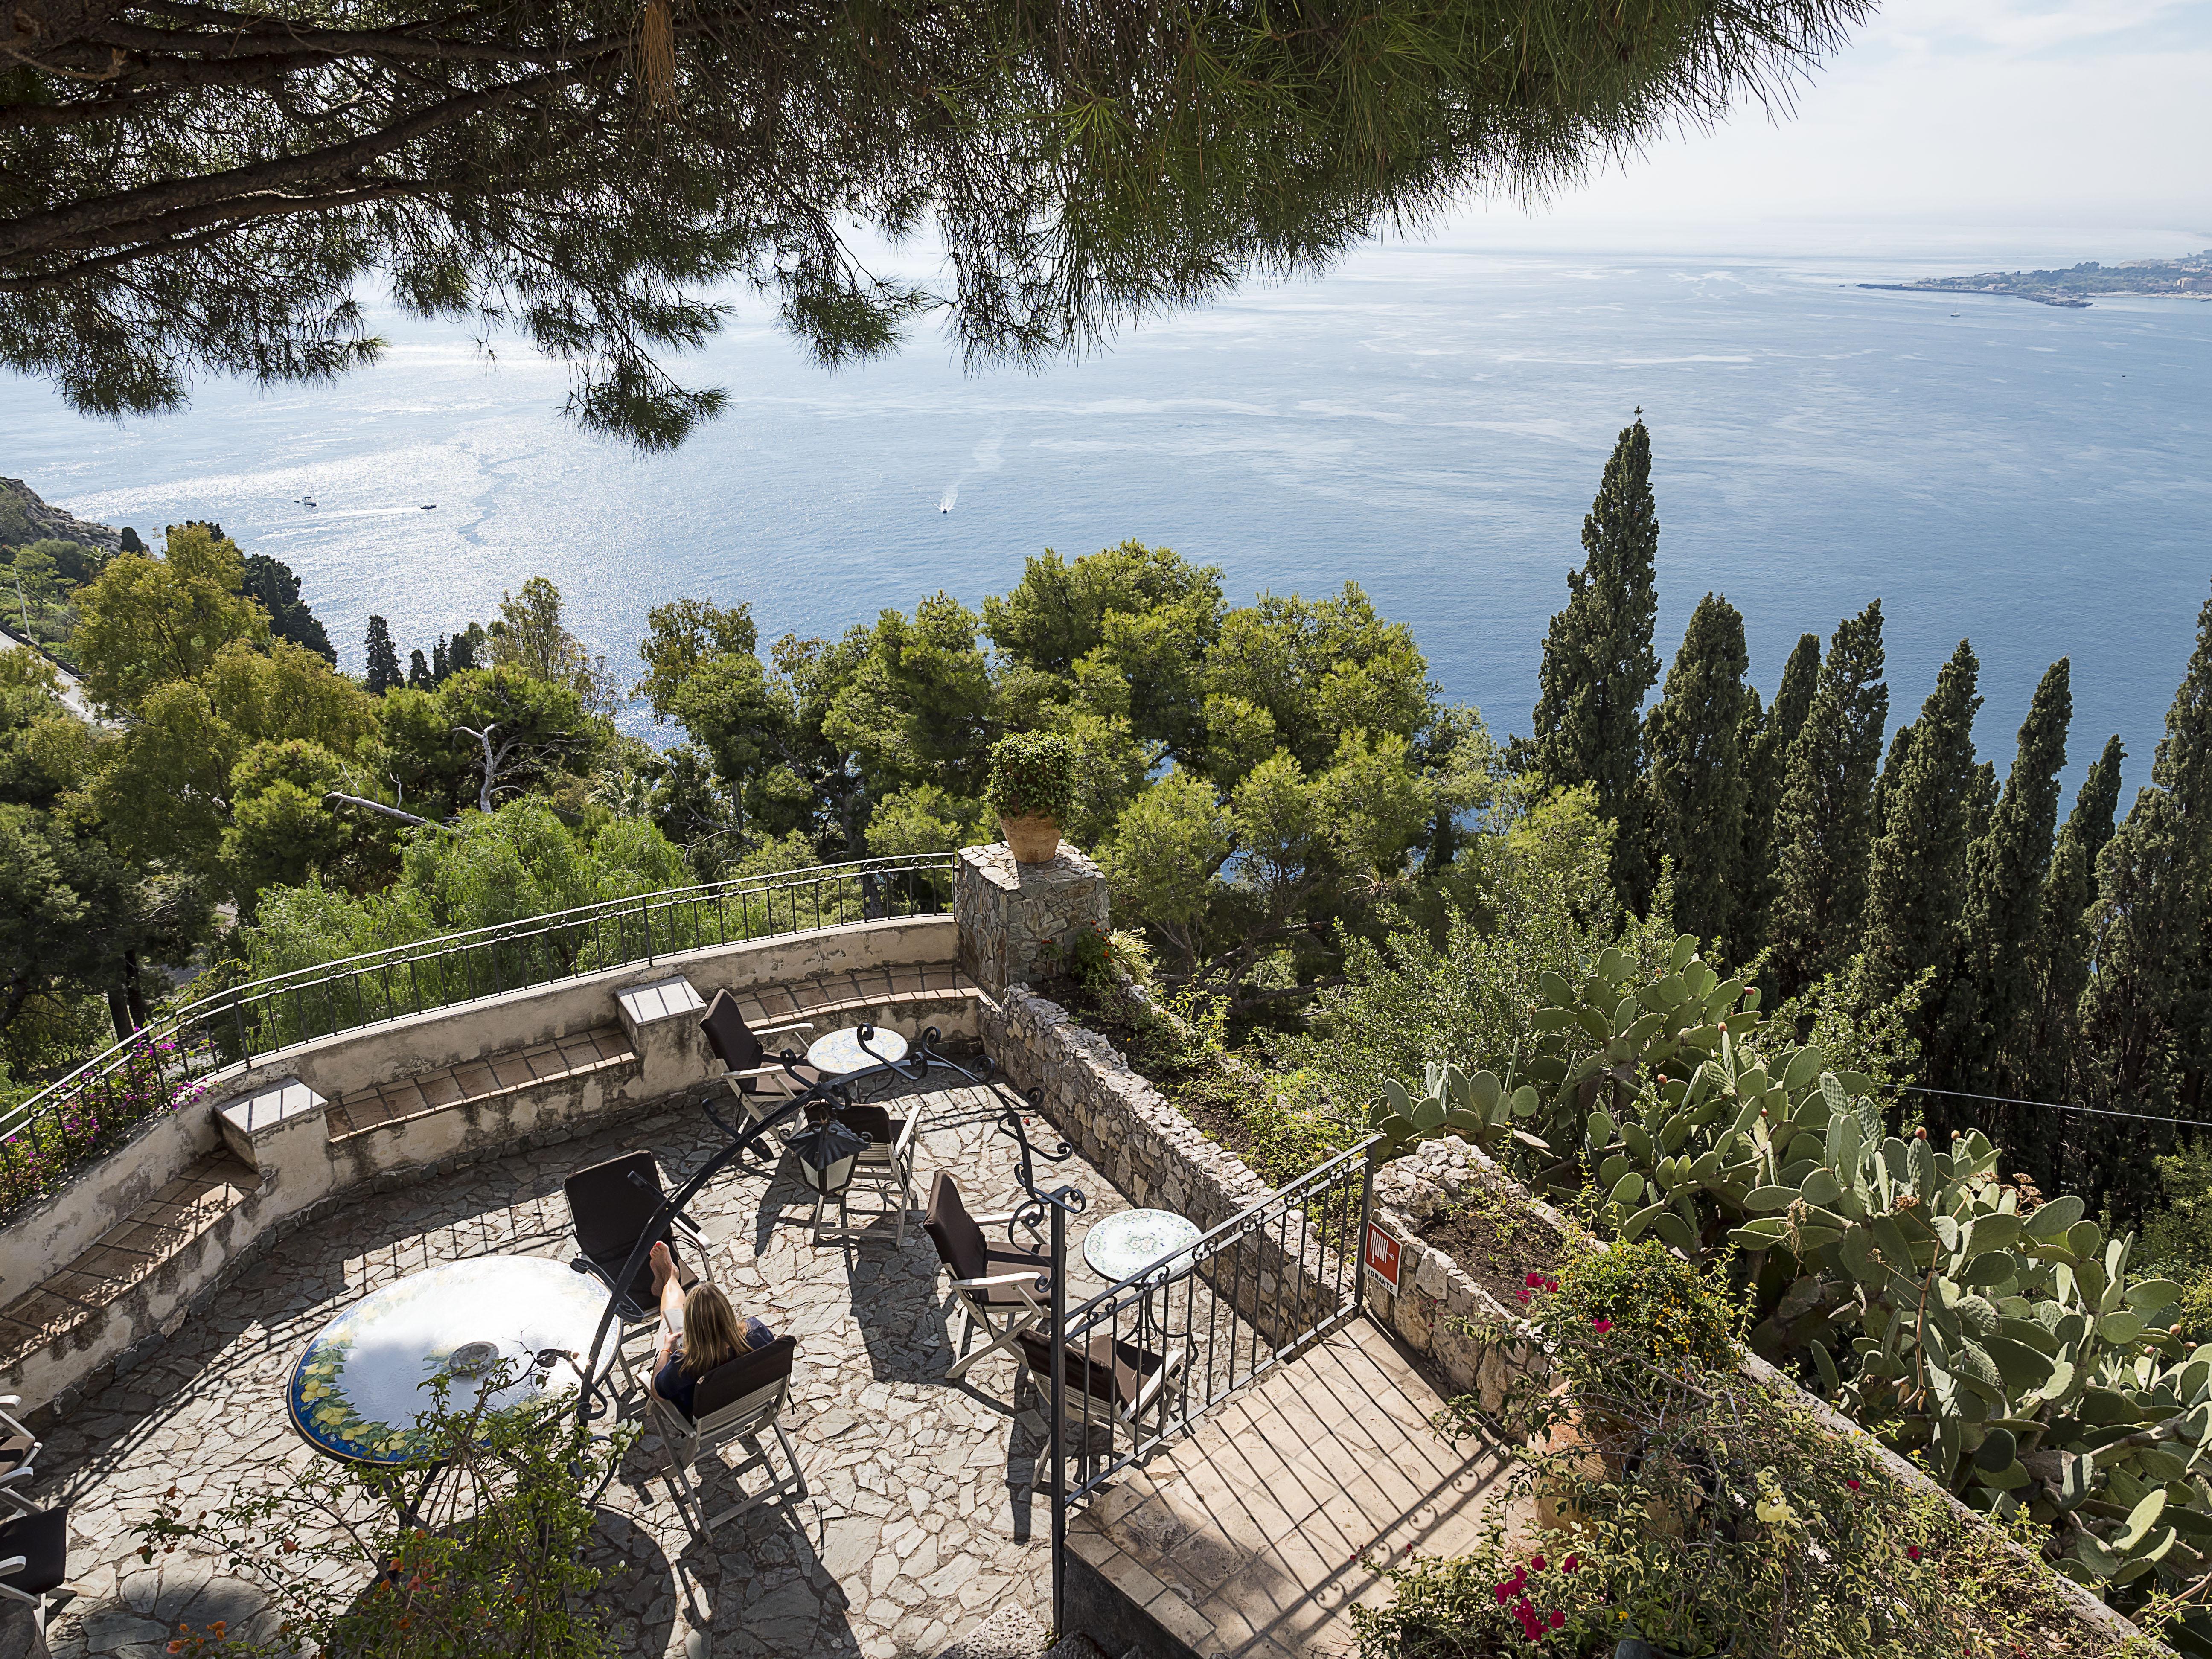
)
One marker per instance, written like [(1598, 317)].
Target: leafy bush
[(497, 1570), (147, 1080), (2001, 1340), (1704, 1513), (1032, 775)]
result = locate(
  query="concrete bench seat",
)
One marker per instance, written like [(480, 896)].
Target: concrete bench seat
[(904, 998), (400, 1099), (125, 1265)]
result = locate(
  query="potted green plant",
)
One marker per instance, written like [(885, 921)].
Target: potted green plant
[(1032, 788)]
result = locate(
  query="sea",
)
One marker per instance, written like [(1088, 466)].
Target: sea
[(1429, 419)]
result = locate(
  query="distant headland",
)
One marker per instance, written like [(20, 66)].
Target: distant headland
[(2189, 276)]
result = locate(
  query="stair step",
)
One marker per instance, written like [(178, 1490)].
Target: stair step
[(125, 1255)]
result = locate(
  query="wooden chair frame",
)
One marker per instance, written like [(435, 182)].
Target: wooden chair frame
[(752, 1418)]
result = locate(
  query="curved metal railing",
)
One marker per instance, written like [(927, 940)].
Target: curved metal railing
[(165, 1065)]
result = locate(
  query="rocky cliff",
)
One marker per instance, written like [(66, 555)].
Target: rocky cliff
[(25, 517)]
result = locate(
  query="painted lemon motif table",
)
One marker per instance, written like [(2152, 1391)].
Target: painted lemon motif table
[(357, 1391)]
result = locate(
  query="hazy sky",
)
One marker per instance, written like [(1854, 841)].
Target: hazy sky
[(1961, 114)]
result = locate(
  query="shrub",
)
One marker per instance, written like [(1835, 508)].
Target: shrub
[(1716, 1515), (1032, 775)]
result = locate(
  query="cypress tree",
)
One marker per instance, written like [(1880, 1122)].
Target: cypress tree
[(1694, 786), (1765, 743), (383, 657), (1917, 875), (2045, 1068), (2098, 805), (419, 671), (1823, 826), (1598, 661), (1985, 1025), (1900, 745)]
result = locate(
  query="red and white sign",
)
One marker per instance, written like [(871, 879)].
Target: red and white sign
[(1382, 1252)]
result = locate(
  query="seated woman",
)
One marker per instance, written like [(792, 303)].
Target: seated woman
[(699, 1330)]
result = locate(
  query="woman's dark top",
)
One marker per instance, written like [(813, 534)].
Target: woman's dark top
[(675, 1384)]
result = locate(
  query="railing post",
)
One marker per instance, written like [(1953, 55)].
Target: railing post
[(1057, 1462), (645, 914)]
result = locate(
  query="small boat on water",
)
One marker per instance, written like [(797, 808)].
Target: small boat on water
[(429, 506)]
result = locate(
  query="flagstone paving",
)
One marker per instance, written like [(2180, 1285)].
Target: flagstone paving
[(923, 1517)]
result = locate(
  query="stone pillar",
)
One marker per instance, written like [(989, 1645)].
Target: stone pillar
[(1008, 912)]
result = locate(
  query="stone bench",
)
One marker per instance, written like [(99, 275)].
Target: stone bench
[(903, 999), (401, 1099)]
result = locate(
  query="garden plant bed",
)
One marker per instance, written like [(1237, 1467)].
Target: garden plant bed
[(1497, 1239)]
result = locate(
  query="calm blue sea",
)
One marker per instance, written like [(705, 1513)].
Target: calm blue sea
[(1428, 421)]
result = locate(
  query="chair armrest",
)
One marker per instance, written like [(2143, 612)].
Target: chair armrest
[(14, 1563), (759, 1071), (679, 1225), (905, 1143), (1043, 1276), (778, 1030), (1158, 1380), (9, 1401), (995, 1216)]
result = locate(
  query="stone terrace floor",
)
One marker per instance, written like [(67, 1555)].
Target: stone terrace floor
[(922, 1518)]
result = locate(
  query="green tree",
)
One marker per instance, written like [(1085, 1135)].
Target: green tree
[(2046, 1066), (147, 622), (1917, 878), (179, 199), (917, 705), (1765, 743), (681, 637), (270, 584), (383, 657), (524, 729), (1823, 826), (1164, 864), (1598, 661), (530, 637), (1694, 785), (2098, 805), (1300, 674), (1983, 1041)]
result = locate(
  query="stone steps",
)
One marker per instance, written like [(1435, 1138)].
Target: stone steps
[(124, 1257), (421, 1093)]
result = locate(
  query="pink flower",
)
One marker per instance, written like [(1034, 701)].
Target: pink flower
[(1573, 1562), (1535, 1564), (1534, 1280), (1524, 1298), (1600, 1326), (1558, 1619), (1852, 1484), (1912, 1551)]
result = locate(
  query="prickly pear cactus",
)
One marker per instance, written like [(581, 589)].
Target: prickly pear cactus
[(1478, 1109), (2009, 1350)]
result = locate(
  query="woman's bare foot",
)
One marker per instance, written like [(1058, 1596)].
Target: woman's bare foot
[(663, 1266)]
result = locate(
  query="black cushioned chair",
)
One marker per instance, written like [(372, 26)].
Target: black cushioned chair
[(739, 1400), (611, 1205), (1005, 1290), (34, 1558), (759, 1080)]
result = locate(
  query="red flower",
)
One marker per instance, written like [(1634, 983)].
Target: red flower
[(1524, 1298), (1912, 1551), (1600, 1326), (1558, 1619), (1852, 1483), (1535, 1564), (1571, 1564)]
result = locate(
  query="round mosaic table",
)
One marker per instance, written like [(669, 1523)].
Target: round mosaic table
[(1124, 1245), (840, 1054), (358, 1388)]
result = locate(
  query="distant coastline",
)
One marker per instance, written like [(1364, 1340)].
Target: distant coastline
[(2189, 278)]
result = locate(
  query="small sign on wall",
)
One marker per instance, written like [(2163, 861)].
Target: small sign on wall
[(1382, 1254)]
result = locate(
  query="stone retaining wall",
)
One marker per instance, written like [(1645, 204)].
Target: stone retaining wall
[(1127, 1128)]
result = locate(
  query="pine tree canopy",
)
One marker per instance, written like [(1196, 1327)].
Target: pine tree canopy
[(383, 657), (1598, 661), (1694, 783), (2096, 808), (1824, 826), (1919, 874), (188, 189)]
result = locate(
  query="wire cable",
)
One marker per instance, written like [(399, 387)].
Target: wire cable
[(2051, 1105)]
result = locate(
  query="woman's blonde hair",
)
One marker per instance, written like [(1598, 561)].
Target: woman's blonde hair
[(711, 1335)]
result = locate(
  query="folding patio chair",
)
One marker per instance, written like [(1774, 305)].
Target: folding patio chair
[(990, 1282), (610, 1205), (738, 1400), (1122, 1376), (34, 1558), (748, 1066), (19, 1447), (887, 1164)]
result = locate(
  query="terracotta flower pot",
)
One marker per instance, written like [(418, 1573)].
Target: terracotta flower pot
[(1597, 1447), (1035, 839)]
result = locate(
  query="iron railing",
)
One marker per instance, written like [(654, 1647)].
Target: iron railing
[(95, 1106), (1145, 1360)]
